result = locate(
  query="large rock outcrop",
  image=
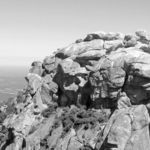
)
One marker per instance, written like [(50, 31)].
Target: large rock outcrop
[(91, 95)]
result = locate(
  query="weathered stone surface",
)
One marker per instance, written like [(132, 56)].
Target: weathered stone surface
[(36, 67), (127, 129), (104, 36), (107, 81), (72, 68), (79, 48), (130, 40), (49, 64), (92, 54), (71, 95), (123, 101), (120, 132), (113, 45), (139, 138), (55, 135), (34, 82), (144, 37), (34, 139)]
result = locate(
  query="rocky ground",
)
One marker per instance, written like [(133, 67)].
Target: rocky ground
[(91, 95)]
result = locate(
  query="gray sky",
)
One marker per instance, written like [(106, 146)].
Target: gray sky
[(32, 29)]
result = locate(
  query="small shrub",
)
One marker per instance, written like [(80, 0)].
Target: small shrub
[(76, 117)]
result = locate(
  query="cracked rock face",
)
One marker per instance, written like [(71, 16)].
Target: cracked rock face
[(91, 95)]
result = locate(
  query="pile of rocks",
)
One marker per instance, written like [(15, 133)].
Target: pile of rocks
[(93, 94)]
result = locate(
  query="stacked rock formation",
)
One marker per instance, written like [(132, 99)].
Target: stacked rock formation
[(91, 95)]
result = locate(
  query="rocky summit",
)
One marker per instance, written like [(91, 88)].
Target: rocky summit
[(91, 95)]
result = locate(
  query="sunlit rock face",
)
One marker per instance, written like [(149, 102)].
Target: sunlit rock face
[(93, 94)]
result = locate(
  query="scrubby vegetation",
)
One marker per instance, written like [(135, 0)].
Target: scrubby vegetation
[(75, 117)]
